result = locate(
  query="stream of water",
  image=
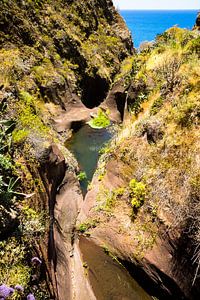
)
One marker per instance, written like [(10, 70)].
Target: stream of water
[(85, 145)]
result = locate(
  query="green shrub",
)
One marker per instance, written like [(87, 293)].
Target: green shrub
[(194, 46), (20, 135), (32, 223), (13, 269), (137, 193), (90, 223), (156, 106), (135, 107), (29, 119), (7, 168), (101, 120), (81, 176), (187, 111), (5, 162)]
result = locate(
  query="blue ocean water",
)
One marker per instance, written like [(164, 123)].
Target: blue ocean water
[(146, 24)]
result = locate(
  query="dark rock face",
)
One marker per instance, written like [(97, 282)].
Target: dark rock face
[(94, 88), (82, 42), (197, 25)]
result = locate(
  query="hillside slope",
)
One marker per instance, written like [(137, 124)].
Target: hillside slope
[(143, 205), (54, 55)]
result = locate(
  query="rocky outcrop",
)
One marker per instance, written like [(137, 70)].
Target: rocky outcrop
[(197, 25), (67, 207), (82, 53)]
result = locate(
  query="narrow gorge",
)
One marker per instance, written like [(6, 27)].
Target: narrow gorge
[(97, 213)]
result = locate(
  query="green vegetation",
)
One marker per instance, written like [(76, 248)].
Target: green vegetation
[(32, 223), (90, 223), (100, 47), (8, 181), (21, 224), (156, 106), (29, 118), (81, 176), (51, 55), (135, 108), (13, 266), (15, 252), (101, 120), (137, 193), (106, 199)]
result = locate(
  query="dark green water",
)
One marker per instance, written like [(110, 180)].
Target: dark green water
[(109, 280), (85, 145)]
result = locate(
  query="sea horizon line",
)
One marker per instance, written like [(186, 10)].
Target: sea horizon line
[(161, 9)]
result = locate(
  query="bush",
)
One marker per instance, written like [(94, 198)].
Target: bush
[(13, 270), (187, 111), (137, 193), (90, 223), (7, 178), (101, 120), (135, 107), (156, 105), (32, 224), (194, 46), (81, 176), (29, 118), (5, 162)]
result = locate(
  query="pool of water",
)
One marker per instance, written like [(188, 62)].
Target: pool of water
[(109, 279), (85, 145)]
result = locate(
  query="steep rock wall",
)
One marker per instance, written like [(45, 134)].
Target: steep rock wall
[(143, 205), (55, 57)]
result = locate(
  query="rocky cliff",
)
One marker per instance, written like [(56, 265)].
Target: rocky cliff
[(143, 205), (58, 60)]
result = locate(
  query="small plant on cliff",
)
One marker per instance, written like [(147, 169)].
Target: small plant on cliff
[(137, 194), (81, 176), (101, 120), (32, 223), (135, 108), (90, 223)]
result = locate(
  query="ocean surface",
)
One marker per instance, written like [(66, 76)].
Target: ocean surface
[(146, 24)]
